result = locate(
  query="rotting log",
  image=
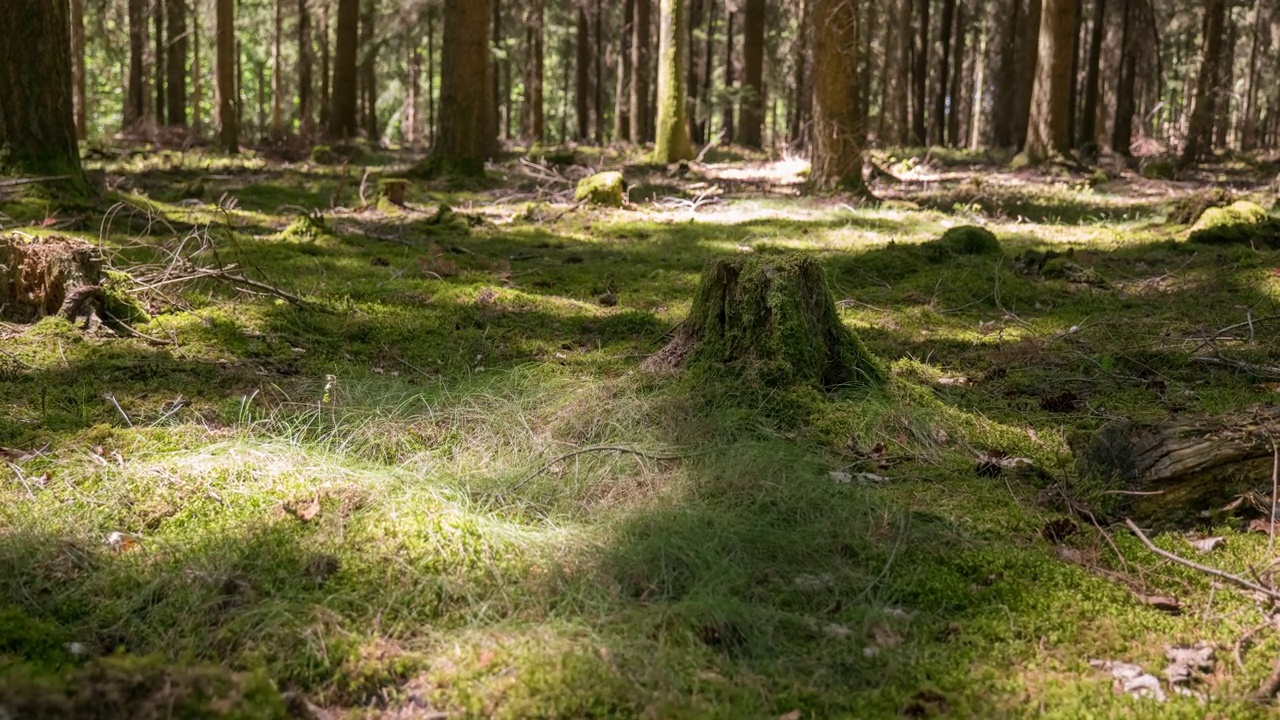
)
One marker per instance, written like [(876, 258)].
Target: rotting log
[(771, 319), (1171, 471), (47, 276)]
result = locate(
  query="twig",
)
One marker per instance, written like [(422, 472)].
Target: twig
[(1267, 693), (1244, 640), (14, 358), (1275, 474), (594, 448), (123, 414), (1235, 579), (22, 479)]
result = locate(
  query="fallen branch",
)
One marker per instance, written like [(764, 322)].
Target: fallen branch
[(1215, 572)]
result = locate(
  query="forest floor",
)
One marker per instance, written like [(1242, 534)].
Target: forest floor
[(416, 467)]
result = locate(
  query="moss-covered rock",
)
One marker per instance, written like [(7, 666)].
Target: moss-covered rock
[(965, 240), (444, 221), (771, 319), (606, 189), (1240, 223)]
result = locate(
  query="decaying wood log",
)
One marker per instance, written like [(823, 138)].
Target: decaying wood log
[(1170, 471), (40, 277)]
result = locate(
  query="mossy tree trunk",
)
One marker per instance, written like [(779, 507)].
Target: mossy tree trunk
[(466, 136), (837, 131), (641, 127), (672, 132), (37, 129), (1049, 121), (228, 88), (772, 320), (342, 113)]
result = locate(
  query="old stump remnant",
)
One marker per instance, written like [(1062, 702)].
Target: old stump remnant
[(46, 276)]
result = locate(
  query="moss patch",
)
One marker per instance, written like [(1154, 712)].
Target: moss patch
[(965, 240), (1240, 223), (605, 189)]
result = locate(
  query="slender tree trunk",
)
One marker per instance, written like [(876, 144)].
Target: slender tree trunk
[(1073, 101), (622, 97), (197, 71), (368, 70), (597, 49), (533, 73), (837, 147), (37, 120), (1006, 86), (1050, 100), (640, 59), (751, 119), (920, 79), (136, 106), (1248, 131), (226, 70), (158, 60), (693, 111), (978, 111), (673, 135), (954, 138), (1089, 120), (262, 100), (277, 72), (939, 119), (708, 86), (1122, 128), (506, 90), (466, 137), (1200, 131), (1027, 68), (176, 85), (582, 92), (727, 118), (431, 73), (342, 114), (803, 86), (306, 117), (77, 69), (902, 80), (1224, 84)]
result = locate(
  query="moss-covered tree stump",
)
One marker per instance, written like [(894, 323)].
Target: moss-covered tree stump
[(771, 318), (391, 193), (48, 276)]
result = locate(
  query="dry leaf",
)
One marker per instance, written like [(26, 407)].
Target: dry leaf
[(306, 511)]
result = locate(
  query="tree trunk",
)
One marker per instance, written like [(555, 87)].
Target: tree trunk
[(1122, 128), (306, 118), (197, 71), (1047, 134), (622, 98), (176, 85), (342, 114), (465, 140), (771, 320), (597, 48), (641, 127), (920, 78), (1200, 130), (533, 74), (136, 106), (837, 131), (1073, 101), (693, 86), (495, 87), (673, 134), (977, 110), (326, 65), (954, 138), (277, 72), (431, 74), (1249, 129), (367, 83), (803, 104), (506, 90), (1223, 85), (37, 122), (708, 57), (582, 89), (77, 69), (158, 61), (727, 118), (1006, 87), (1089, 121), (1170, 471), (902, 79), (751, 118), (226, 71), (939, 118), (1029, 49)]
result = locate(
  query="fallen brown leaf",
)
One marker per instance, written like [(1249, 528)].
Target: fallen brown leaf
[(305, 510)]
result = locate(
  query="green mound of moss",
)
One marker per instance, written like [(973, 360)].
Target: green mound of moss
[(606, 189), (965, 240), (311, 228), (1187, 210), (772, 319), (1240, 223)]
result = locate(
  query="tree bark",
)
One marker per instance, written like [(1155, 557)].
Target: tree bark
[(1047, 129), (727, 118), (197, 71), (641, 127), (837, 131), (277, 72), (326, 66), (954, 115), (466, 137), (751, 117), (597, 48), (1089, 120), (692, 79), (672, 133), (1029, 49), (37, 122), (803, 104), (158, 61), (977, 110), (226, 71), (622, 98), (1249, 126), (77, 69), (920, 78), (535, 131), (431, 73), (367, 83), (1006, 87), (306, 117), (939, 118), (342, 115), (708, 57), (1200, 130), (176, 85), (902, 78), (136, 106), (1122, 127), (582, 91)]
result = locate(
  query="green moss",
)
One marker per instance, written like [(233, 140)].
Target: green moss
[(1187, 210), (323, 155), (606, 189), (965, 240), (1160, 169), (308, 228), (118, 302), (1240, 223)]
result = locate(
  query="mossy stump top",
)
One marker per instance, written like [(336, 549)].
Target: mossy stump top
[(772, 319), (606, 189)]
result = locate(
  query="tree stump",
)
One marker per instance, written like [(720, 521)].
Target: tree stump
[(1170, 471), (769, 318), (48, 276)]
